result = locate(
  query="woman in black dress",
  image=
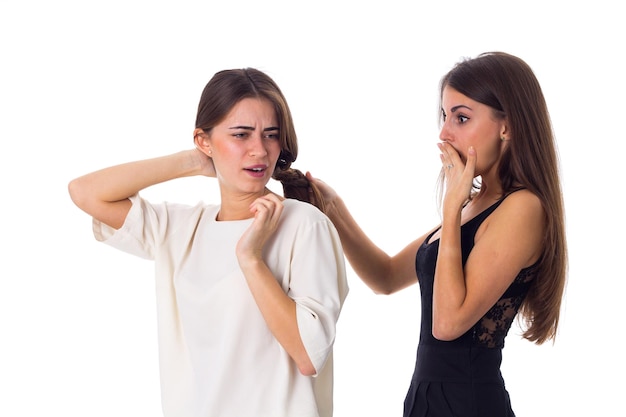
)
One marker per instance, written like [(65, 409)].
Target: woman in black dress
[(499, 250)]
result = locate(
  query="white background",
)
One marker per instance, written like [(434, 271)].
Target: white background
[(84, 85)]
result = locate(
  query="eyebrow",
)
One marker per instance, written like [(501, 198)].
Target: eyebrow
[(267, 129), (455, 108)]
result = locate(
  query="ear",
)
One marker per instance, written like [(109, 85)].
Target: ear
[(201, 140), (504, 131)]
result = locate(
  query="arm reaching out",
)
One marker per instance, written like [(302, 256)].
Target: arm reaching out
[(384, 274)]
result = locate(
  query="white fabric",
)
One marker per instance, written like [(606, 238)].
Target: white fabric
[(217, 355)]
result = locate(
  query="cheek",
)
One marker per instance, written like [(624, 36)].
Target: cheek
[(274, 151), (489, 155)]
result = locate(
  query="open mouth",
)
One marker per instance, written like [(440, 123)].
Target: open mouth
[(257, 170)]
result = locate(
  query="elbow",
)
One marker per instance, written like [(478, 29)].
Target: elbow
[(386, 287), (388, 281), (443, 336), (82, 195), (75, 190), (307, 369), (304, 364), (382, 291), (383, 286), (446, 332)]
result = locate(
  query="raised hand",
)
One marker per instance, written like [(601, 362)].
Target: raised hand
[(204, 162), (267, 211), (459, 175)]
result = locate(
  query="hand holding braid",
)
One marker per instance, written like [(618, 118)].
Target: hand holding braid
[(297, 185)]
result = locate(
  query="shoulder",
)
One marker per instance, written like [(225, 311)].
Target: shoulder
[(173, 211), (305, 219), (522, 202), (517, 226), (301, 211), (520, 212), (510, 238)]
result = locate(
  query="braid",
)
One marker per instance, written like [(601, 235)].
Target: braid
[(296, 185)]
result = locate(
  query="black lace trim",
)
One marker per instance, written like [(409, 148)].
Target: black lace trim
[(492, 328)]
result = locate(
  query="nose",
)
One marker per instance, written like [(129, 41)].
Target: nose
[(257, 146), (444, 133)]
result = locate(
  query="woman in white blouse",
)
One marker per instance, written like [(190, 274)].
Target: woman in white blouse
[(249, 290)]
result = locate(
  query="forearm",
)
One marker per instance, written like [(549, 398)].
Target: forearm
[(368, 261), (122, 181), (103, 194), (449, 290), (279, 312)]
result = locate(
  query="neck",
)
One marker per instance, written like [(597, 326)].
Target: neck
[(238, 207), (489, 192)]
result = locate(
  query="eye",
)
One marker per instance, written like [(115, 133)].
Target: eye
[(272, 135), (240, 135), (443, 115), (462, 119)]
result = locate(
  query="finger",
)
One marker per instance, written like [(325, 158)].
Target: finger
[(312, 179), (272, 197), (265, 199), (449, 156), (261, 205), (268, 206), (471, 159)]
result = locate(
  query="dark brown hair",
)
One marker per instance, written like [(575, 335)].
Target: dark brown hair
[(508, 85), (228, 87)]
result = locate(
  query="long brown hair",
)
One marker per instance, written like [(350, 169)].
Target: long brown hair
[(228, 87), (508, 85)]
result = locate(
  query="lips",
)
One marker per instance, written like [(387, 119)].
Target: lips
[(256, 170)]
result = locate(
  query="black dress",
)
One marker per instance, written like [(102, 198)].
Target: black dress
[(462, 377)]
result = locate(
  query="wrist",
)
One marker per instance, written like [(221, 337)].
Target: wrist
[(190, 162)]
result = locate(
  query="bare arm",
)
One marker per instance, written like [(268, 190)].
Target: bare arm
[(277, 308), (509, 240), (384, 274), (104, 194)]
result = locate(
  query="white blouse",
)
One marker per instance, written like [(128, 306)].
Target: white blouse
[(217, 356)]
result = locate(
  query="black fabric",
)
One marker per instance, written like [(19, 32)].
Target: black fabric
[(461, 378)]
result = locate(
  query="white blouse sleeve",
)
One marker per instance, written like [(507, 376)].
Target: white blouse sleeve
[(148, 227), (319, 287)]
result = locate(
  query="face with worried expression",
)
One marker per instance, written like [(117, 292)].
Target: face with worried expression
[(470, 123), (244, 146)]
